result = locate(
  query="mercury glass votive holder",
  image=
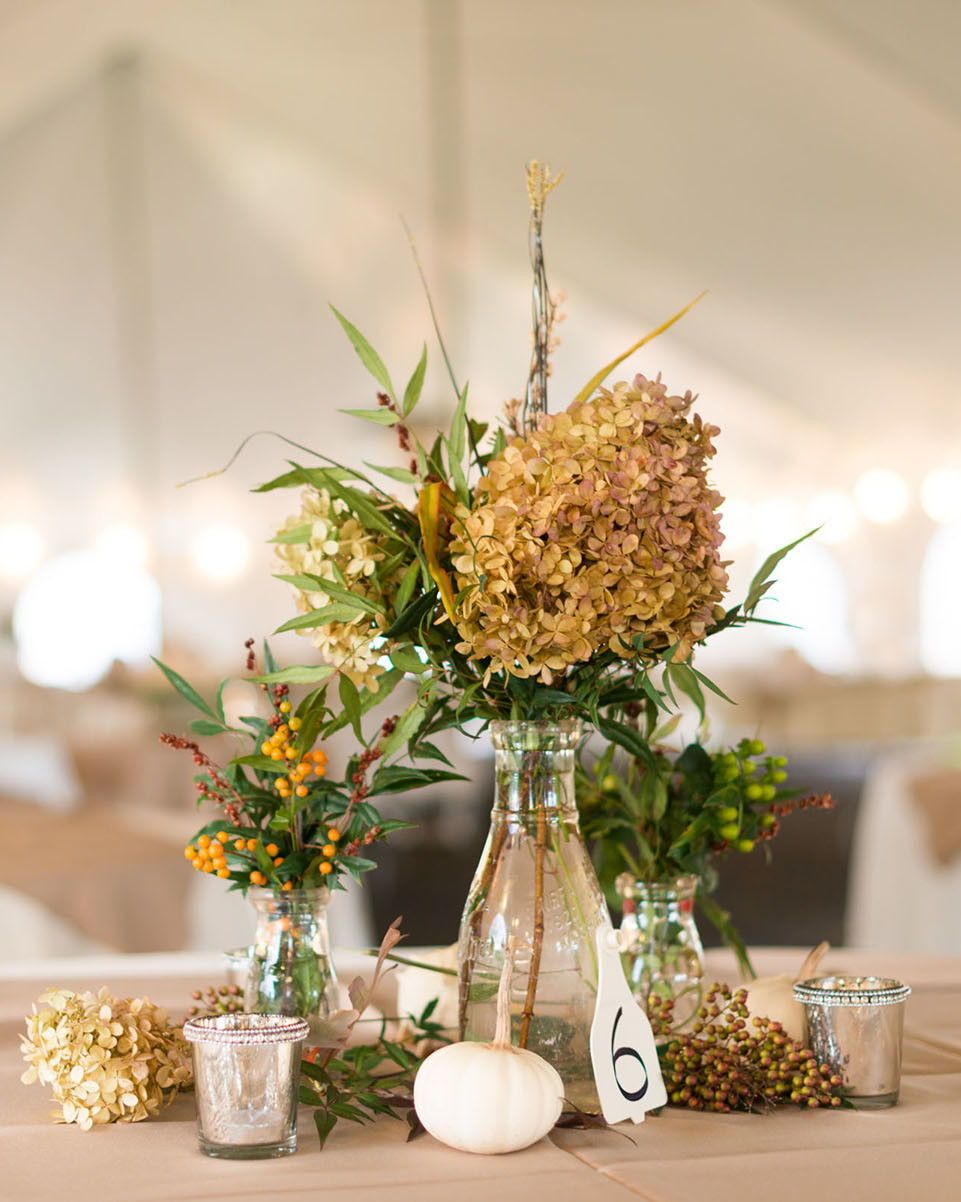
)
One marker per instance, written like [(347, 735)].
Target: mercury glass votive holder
[(856, 1026), (246, 1076)]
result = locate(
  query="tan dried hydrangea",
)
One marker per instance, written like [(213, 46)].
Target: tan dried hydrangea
[(109, 1060), (336, 542), (598, 527)]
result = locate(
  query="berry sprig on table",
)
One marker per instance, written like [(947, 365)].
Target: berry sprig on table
[(727, 1060)]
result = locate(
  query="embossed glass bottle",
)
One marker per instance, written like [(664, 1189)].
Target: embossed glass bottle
[(535, 882), (291, 971), (660, 942)]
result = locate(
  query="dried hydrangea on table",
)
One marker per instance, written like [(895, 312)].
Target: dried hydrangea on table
[(108, 1060)]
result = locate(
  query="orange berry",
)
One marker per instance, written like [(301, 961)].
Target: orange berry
[(295, 724), (197, 863), (326, 868), (223, 872), (266, 747), (208, 867), (284, 707), (287, 886), (251, 844), (222, 837), (329, 850), (240, 845), (320, 770), (333, 834), (276, 754), (203, 841), (271, 849), (258, 878), (301, 790), (278, 861), (189, 852)]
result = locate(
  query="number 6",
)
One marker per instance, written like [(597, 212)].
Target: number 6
[(629, 1095)]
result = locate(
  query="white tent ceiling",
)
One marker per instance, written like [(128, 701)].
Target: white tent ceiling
[(203, 175)]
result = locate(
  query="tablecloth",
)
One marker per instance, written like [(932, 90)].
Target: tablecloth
[(912, 1151)]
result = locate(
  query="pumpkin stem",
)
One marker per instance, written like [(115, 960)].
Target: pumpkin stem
[(502, 1032), (814, 958)]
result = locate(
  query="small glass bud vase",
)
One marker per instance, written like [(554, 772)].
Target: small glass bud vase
[(290, 969), (660, 943), (246, 1076), (535, 882)]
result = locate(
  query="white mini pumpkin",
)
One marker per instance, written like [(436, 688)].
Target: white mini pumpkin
[(773, 997), (488, 1097)]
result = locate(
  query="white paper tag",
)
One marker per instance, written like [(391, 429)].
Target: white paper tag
[(626, 1069)]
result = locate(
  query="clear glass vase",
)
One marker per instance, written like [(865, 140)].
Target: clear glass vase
[(290, 970), (660, 944), (535, 883)]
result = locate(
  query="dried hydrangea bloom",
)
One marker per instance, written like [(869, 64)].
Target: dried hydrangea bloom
[(108, 1060), (598, 527), (335, 542)]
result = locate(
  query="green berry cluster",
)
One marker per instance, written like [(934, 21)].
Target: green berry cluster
[(729, 1061), (750, 781)]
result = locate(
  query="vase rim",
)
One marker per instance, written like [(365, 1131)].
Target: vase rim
[(683, 885), (320, 894), (515, 734)]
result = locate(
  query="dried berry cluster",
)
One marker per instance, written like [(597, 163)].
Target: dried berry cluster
[(730, 1062), (216, 999)]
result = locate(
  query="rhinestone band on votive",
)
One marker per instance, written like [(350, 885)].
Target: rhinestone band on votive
[(246, 1029), (851, 991)]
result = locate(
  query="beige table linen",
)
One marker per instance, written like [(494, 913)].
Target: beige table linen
[(911, 1152)]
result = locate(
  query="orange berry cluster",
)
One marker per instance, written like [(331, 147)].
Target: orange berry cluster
[(279, 747), (208, 854), (329, 850)]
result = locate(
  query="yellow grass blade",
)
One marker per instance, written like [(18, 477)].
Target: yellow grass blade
[(430, 503), (596, 380)]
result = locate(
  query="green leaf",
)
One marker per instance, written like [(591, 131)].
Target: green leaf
[(401, 474), (380, 417), (415, 384), (260, 763), (709, 684), (366, 353), (324, 1121), (350, 700), (354, 600), (338, 612), (296, 534), (757, 588), (297, 675), (687, 682), (407, 726), (627, 737), (187, 691), (202, 726), (412, 615), (405, 589), (408, 660), (386, 683)]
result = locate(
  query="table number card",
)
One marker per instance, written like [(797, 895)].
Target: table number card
[(626, 1069)]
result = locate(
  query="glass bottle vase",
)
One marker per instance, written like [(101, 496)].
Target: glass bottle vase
[(660, 943), (535, 884), (290, 969)]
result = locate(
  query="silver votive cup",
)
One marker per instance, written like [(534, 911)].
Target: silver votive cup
[(246, 1076), (855, 1026)]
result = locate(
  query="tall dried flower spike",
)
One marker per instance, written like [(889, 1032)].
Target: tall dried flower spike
[(540, 183)]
